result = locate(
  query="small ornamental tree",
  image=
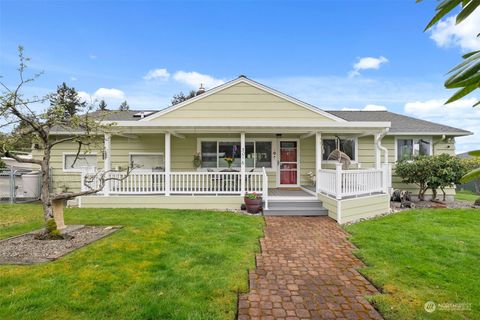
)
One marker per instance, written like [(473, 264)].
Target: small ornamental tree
[(19, 111), (416, 171), (446, 171)]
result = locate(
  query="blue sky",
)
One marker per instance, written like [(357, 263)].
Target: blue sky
[(308, 49)]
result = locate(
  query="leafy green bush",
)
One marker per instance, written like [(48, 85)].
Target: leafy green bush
[(416, 171), (431, 172)]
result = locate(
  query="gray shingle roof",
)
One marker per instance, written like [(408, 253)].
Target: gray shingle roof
[(116, 115), (400, 123)]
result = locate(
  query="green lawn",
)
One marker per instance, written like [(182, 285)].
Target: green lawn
[(466, 195), (164, 264), (422, 255)]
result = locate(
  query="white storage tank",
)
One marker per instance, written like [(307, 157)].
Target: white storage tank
[(31, 184)]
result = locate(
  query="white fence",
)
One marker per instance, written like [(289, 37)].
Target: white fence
[(208, 183), (353, 183)]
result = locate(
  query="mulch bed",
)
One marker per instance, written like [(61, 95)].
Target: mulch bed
[(25, 249), (457, 204)]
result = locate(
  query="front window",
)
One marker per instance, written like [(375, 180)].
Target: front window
[(347, 146), (410, 148), (258, 154), (146, 161), (87, 162)]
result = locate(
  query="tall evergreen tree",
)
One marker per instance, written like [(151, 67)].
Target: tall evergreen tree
[(124, 106), (102, 105), (180, 97), (67, 99)]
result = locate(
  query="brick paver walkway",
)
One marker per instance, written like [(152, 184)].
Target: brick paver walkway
[(306, 270)]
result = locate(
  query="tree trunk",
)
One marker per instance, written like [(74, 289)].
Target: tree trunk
[(45, 195), (434, 194), (444, 194), (421, 193)]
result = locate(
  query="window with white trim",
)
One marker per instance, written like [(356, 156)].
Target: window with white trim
[(147, 161), (258, 154), (86, 162), (410, 148), (346, 145)]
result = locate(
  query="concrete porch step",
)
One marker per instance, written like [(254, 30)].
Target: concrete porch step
[(312, 207)]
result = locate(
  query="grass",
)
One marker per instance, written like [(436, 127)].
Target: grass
[(164, 264), (422, 255), (466, 195)]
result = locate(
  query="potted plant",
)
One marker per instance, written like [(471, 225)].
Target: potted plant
[(229, 161), (197, 161), (253, 202)]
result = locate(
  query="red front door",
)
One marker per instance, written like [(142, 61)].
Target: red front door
[(288, 162)]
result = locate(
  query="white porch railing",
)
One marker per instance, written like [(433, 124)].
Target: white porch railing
[(207, 183), (354, 183)]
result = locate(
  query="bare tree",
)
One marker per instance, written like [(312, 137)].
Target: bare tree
[(80, 128)]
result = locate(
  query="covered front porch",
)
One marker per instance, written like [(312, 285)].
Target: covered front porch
[(277, 163)]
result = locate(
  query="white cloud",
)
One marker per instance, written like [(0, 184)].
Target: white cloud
[(109, 93), (194, 79), (464, 35), (85, 96), (160, 74), (374, 107), (366, 63), (73, 78), (459, 114), (113, 97), (368, 107), (92, 56)]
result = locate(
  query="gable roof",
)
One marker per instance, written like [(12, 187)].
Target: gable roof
[(243, 79), (400, 124)]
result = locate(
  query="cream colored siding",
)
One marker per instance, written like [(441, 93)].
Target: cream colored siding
[(122, 146), (171, 202), (307, 160), (356, 209), (65, 181), (366, 152), (330, 204), (243, 101)]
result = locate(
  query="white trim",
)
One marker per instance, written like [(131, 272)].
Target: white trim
[(411, 133), (329, 137), (411, 138), (278, 182), (234, 139), (73, 154), (252, 83), (178, 124)]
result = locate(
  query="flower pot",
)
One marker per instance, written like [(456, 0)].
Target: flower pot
[(253, 205)]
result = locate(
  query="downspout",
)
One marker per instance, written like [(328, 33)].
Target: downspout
[(379, 144), (434, 144)]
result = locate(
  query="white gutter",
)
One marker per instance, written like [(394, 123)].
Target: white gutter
[(195, 123), (379, 144)]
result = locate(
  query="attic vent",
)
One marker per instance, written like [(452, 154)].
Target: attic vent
[(142, 114)]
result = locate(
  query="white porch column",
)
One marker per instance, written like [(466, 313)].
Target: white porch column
[(167, 163), (338, 181), (107, 161), (318, 159), (242, 163), (378, 151)]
